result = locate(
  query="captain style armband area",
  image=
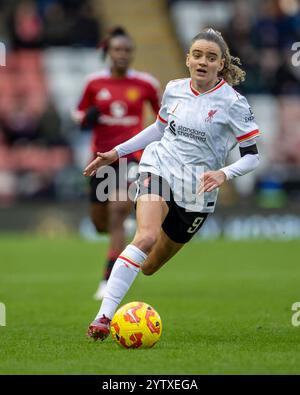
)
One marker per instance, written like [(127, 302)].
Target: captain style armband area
[(251, 149)]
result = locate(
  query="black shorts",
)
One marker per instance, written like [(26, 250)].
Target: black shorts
[(179, 225), (121, 178)]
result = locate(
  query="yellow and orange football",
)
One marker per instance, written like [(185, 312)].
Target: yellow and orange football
[(136, 325)]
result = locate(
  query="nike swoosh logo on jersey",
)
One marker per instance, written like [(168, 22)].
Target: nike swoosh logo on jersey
[(175, 108)]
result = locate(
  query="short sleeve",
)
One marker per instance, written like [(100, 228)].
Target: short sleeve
[(242, 121), (163, 112)]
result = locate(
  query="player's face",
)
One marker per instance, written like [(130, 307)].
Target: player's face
[(121, 53), (204, 62)]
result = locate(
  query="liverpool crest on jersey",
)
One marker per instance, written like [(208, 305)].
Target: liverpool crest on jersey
[(210, 115)]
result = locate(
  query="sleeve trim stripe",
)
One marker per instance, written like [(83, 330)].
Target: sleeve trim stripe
[(248, 135), (161, 119)]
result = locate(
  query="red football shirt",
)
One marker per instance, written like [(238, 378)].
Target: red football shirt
[(120, 101)]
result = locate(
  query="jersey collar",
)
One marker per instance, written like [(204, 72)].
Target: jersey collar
[(107, 72), (196, 93)]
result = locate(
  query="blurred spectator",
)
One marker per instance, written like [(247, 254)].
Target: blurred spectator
[(57, 25), (287, 147), (264, 42), (32, 146), (277, 25), (22, 125), (35, 24), (19, 125), (85, 30), (238, 35), (50, 128), (273, 34), (71, 23), (26, 26), (35, 155)]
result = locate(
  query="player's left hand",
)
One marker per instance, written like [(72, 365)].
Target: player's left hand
[(211, 180)]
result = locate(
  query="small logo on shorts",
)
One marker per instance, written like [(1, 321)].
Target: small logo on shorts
[(210, 115)]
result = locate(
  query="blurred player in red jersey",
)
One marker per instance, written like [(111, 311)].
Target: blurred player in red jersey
[(112, 105)]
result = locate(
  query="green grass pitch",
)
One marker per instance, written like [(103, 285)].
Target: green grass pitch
[(225, 307)]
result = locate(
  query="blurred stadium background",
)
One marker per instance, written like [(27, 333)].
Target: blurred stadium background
[(51, 47)]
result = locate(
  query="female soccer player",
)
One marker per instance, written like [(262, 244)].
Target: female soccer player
[(201, 119), (112, 105)]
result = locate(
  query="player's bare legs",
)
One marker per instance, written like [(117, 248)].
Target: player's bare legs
[(162, 252), (119, 208), (151, 210), (99, 216)]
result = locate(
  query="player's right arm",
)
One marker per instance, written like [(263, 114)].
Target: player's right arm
[(152, 133), (103, 159)]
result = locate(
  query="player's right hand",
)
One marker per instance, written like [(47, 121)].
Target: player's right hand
[(103, 159)]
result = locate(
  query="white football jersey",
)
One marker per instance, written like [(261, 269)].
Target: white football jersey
[(200, 130)]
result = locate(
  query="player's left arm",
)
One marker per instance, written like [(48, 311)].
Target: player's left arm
[(243, 125), (248, 162)]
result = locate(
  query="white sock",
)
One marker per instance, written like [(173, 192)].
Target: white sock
[(124, 272)]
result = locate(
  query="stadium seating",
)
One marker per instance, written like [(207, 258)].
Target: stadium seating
[(192, 16), (24, 83), (66, 70)]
